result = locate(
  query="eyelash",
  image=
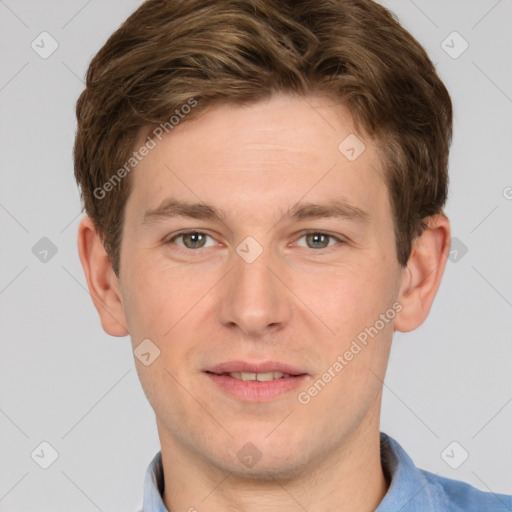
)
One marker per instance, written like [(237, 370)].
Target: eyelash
[(305, 233)]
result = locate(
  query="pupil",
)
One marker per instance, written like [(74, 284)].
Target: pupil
[(197, 240), (318, 237)]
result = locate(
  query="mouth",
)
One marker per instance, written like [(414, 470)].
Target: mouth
[(256, 382), (253, 376)]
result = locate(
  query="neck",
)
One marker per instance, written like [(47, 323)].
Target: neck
[(347, 478)]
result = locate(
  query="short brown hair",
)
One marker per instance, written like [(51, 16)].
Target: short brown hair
[(242, 51)]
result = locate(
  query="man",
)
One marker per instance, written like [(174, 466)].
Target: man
[(264, 185)]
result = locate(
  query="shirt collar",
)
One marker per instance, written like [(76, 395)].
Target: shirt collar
[(154, 486), (410, 488)]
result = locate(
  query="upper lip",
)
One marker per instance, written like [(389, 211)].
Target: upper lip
[(252, 367)]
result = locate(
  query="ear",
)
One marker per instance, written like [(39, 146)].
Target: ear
[(422, 275), (101, 280)]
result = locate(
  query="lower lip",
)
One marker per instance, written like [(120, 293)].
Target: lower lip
[(256, 391)]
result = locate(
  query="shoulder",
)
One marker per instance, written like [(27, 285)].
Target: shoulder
[(456, 496), (413, 489)]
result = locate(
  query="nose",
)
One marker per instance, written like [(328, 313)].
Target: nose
[(254, 298)]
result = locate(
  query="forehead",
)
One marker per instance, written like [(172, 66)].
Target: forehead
[(260, 156)]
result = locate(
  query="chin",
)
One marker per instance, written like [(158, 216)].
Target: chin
[(281, 466), (263, 459)]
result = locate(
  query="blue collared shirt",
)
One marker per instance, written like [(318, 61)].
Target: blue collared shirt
[(411, 489)]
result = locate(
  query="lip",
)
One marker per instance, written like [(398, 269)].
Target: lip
[(256, 391)]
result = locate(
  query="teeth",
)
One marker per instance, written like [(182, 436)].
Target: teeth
[(264, 377), (261, 377)]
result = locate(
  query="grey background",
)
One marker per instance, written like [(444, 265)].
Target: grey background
[(64, 381)]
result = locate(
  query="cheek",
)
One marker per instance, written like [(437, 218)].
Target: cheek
[(148, 293), (346, 299)]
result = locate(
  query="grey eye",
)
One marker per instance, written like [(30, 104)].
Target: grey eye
[(191, 240), (318, 240)]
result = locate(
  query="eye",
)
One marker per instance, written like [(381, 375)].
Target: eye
[(198, 240), (191, 240), (319, 240)]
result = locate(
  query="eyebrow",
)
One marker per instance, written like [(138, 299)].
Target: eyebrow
[(340, 209), (170, 208)]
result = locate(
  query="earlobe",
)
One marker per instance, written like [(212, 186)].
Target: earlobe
[(101, 280), (422, 275)]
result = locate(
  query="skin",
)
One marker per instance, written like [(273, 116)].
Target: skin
[(297, 303)]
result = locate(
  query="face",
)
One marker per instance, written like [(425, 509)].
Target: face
[(286, 258)]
